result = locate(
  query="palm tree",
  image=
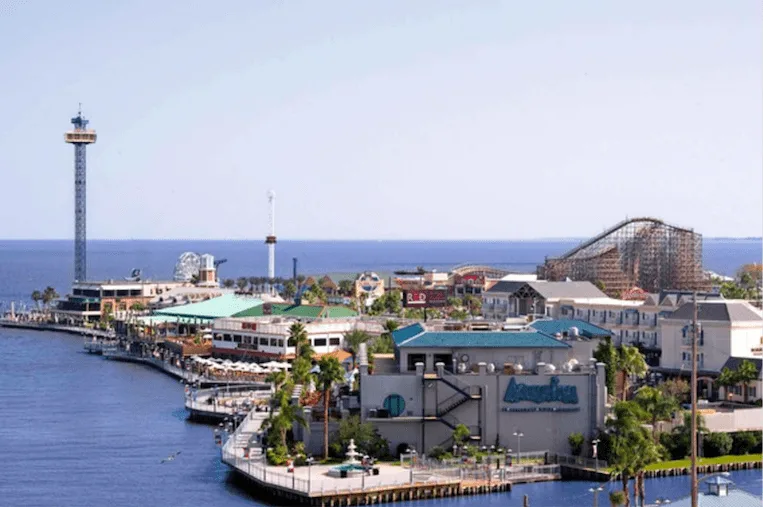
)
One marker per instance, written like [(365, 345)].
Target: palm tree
[(37, 297), (48, 295), (252, 283), (299, 340), (656, 405), (228, 283), (330, 373), (346, 286), (627, 440), (289, 290), (352, 341), (617, 498), (630, 362), (242, 282), (745, 374), (277, 378)]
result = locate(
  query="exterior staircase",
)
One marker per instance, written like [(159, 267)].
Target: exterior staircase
[(463, 393)]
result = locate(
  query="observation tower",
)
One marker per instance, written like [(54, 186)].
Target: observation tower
[(80, 137)]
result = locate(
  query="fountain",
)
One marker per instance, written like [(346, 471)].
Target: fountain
[(351, 466)]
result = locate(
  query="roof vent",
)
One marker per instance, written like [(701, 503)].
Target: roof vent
[(574, 332)]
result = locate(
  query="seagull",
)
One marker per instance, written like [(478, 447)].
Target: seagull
[(171, 457)]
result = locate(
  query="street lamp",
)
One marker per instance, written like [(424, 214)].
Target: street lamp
[(309, 472), (595, 444), (662, 501), (519, 436), (595, 492)]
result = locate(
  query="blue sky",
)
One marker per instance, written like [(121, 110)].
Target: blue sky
[(387, 119)]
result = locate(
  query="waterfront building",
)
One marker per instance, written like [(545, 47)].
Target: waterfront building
[(728, 328), (517, 298), (267, 337), (496, 383), (89, 301)]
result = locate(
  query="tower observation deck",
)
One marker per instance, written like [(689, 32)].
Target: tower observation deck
[(80, 137)]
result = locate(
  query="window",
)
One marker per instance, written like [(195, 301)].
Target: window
[(263, 341), (413, 359), (226, 338), (335, 341), (274, 342), (280, 343), (320, 342), (752, 392), (236, 338), (291, 342)]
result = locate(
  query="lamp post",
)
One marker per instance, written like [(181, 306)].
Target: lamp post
[(595, 492), (309, 473), (519, 436), (595, 444)]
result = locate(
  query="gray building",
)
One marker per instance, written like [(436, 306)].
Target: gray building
[(496, 383), (508, 299)]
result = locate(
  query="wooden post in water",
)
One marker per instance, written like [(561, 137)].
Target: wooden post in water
[(526, 502)]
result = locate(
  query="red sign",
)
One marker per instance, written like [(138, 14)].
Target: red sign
[(425, 298)]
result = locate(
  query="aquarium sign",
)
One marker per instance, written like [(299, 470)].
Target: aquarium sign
[(551, 393)]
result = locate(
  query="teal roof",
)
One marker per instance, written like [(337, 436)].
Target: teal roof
[(586, 329), (404, 333), (482, 339), (304, 311), (215, 308)]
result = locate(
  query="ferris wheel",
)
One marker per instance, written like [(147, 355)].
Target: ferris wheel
[(187, 266)]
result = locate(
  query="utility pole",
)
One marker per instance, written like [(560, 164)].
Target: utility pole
[(694, 338)]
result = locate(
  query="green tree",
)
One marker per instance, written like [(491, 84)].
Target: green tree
[(678, 389), (617, 498), (48, 295), (745, 374), (317, 293), (253, 283), (630, 362), (352, 341), (300, 370), (455, 302), (717, 444), (461, 434), (366, 437), (37, 297), (137, 307), (458, 314), (299, 340), (656, 405), (393, 302), (330, 373), (346, 287), (289, 290), (576, 441), (606, 353), (228, 283), (241, 283), (277, 378), (628, 441), (678, 441), (473, 305)]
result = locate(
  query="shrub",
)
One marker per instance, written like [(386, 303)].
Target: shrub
[(616, 498), (402, 448), (436, 452), (677, 448), (717, 444), (576, 441), (277, 455), (746, 442)]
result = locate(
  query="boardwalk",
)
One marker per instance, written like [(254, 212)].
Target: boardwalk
[(313, 486)]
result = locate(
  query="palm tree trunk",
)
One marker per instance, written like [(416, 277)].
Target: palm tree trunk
[(744, 389), (642, 487), (625, 385), (624, 478), (635, 491), (326, 399)]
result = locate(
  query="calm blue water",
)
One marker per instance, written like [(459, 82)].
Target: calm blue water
[(77, 430), (29, 265)]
